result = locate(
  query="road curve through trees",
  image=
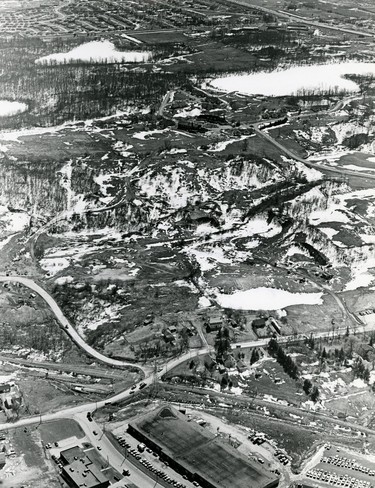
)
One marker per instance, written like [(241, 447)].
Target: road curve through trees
[(69, 329)]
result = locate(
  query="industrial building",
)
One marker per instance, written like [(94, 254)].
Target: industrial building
[(79, 471), (195, 452)]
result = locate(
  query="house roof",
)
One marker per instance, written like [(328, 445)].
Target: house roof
[(4, 388), (259, 322)]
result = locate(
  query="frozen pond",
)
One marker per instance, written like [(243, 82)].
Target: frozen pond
[(11, 108), (266, 299), (96, 52), (294, 80)]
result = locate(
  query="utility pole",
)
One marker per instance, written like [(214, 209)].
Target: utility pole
[(155, 384), (102, 432), (40, 421)]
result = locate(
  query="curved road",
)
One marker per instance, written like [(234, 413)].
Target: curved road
[(64, 215), (319, 167), (67, 325), (77, 411), (148, 381)]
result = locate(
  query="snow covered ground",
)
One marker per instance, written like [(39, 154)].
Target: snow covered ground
[(95, 316), (332, 214), (221, 146), (96, 52), (148, 133), (12, 222), (194, 112), (293, 80), (11, 108), (266, 299)]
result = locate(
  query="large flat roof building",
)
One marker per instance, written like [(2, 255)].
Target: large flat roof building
[(192, 450), (80, 472), (78, 475)]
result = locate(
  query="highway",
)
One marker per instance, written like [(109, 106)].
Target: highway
[(79, 412), (303, 20), (149, 380), (319, 167)]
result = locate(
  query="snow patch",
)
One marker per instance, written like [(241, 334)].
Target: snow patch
[(96, 52), (358, 383), (291, 81), (204, 302), (8, 109), (267, 299)]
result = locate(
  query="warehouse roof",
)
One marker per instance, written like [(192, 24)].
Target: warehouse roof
[(201, 452)]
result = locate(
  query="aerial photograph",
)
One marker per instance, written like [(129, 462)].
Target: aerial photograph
[(187, 243)]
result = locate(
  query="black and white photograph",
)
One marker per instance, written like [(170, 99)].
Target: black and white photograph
[(187, 243)]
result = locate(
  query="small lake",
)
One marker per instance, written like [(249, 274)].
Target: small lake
[(293, 81), (8, 108), (96, 52)]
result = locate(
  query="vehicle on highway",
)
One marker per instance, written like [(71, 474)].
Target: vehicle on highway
[(142, 385)]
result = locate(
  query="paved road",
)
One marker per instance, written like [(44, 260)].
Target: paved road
[(303, 20), (149, 380), (164, 102), (110, 453), (340, 302), (65, 215), (320, 167), (68, 368), (64, 322)]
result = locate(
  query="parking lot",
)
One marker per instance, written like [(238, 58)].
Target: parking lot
[(339, 468), (152, 464)]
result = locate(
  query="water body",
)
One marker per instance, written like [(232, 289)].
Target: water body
[(266, 299), (293, 81), (96, 52), (11, 108)]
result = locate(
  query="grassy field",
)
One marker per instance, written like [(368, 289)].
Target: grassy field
[(59, 430)]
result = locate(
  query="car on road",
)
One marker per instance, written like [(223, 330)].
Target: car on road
[(133, 387), (99, 448), (142, 385), (94, 432)]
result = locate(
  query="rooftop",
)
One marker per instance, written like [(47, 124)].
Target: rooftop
[(201, 452), (81, 475)]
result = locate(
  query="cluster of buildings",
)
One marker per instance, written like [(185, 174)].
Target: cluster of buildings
[(10, 396)]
